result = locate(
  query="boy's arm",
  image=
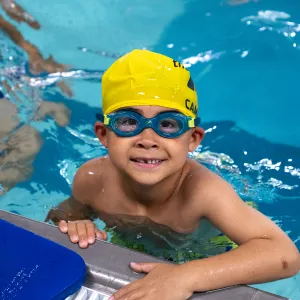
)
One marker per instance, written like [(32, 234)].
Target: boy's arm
[(69, 210), (265, 252), (79, 205), (73, 216)]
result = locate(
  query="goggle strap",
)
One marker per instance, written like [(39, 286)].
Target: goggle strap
[(191, 123), (106, 120), (197, 121), (102, 118), (194, 122)]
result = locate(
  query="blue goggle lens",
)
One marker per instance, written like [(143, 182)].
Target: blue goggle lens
[(125, 123)]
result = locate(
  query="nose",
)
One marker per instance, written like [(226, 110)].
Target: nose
[(147, 139)]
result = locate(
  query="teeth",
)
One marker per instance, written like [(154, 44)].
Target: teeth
[(148, 161)]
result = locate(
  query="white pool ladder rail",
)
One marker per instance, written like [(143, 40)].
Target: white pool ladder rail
[(88, 294)]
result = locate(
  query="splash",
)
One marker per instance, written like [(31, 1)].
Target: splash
[(275, 21), (261, 189)]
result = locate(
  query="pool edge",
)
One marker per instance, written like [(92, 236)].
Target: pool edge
[(110, 270)]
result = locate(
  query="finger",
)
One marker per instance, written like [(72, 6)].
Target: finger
[(82, 234), (129, 288), (132, 295), (91, 232), (72, 232), (63, 226), (101, 235), (143, 267)]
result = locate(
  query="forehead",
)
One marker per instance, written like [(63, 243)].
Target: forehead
[(149, 110)]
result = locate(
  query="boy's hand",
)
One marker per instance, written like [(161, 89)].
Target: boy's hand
[(164, 281), (82, 232)]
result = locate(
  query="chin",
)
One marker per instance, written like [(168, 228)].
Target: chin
[(147, 179)]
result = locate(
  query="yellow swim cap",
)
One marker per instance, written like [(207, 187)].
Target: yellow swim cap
[(142, 77)]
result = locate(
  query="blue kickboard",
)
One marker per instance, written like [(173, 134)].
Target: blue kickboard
[(35, 268)]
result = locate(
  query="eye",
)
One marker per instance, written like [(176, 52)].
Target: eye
[(126, 124), (170, 125)]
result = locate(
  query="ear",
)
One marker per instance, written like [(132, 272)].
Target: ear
[(196, 138), (101, 133)]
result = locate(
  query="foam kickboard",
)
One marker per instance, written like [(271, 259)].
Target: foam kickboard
[(33, 267)]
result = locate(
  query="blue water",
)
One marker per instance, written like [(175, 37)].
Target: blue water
[(244, 59)]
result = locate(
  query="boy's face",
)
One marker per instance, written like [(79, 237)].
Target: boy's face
[(148, 158)]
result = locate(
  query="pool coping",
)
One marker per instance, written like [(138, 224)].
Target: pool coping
[(110, 271)]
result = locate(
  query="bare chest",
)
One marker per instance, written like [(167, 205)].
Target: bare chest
[(118, 212)]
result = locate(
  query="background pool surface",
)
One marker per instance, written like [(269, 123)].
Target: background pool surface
[(244, 57)]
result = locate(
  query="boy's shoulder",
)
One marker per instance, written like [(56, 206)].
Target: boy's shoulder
[(198, 174), (88, 178), (93, 164), (92, 170)]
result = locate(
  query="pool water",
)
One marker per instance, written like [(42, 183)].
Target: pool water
[(244, 58)]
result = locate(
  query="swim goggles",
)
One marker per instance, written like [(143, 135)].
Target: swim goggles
[(127, 123)]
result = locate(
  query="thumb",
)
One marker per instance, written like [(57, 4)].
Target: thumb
[(142, 267)]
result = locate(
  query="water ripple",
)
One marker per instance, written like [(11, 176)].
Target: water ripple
[(275, 21)]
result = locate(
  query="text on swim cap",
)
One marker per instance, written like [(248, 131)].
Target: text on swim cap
[(191, 106), (178, 64)]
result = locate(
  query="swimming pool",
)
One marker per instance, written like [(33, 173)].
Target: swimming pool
[(244, 60)]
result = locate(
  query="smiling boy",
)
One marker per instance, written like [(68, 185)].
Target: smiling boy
[(149, 125)]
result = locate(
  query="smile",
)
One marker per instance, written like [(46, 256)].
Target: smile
[(147, 162)]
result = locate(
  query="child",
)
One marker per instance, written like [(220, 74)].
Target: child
[(149, 124)]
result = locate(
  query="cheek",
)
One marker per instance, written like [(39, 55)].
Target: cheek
[(117, 147), (178, 148)]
